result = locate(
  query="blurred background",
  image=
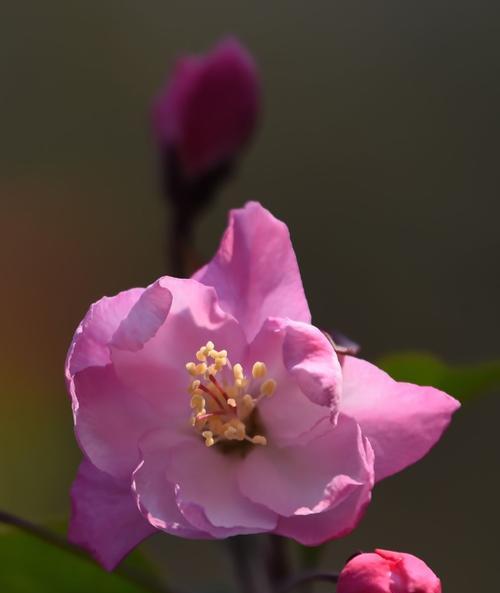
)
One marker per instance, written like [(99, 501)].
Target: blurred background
[(379, 148)]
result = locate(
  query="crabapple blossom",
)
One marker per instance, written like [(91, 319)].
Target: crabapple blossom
[(211, 406)]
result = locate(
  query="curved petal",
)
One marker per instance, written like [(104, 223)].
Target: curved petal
[(401, 420), (144, 319), (338, 519), (109, 420), (255, 271), (208, 478), (306, 371), (311, 359), (89, 346), (155, 494), (311, 478), (157, 371), (105, 519)]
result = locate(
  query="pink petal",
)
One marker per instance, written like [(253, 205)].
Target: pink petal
[(208, 479), (109, 420), (157, 371), (155, 494), (144, 319), (311, 478), (90, 342), (105, 519), (306, 370), (311, 359), (342, 514), (401, 420), (255, 272)]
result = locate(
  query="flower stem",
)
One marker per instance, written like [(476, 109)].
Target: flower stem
[(306, 578), (249, 564), (278, 563), (62, 543)]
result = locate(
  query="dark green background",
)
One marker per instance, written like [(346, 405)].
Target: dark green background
[(379, 147)]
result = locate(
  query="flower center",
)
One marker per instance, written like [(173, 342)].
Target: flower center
[(224, 400)]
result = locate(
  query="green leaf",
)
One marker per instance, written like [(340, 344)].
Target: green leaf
[(30, 565), (461, 381)]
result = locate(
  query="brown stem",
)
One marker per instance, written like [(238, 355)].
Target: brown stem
[(311, 577)]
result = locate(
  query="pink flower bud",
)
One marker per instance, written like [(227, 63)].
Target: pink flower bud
[(208, 109), (387, 572)]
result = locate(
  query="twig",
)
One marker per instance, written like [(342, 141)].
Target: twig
[(62, 543)]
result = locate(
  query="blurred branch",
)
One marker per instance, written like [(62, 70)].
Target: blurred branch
[(62, 543)]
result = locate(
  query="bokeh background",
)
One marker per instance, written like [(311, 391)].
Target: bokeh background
[(379, 147)]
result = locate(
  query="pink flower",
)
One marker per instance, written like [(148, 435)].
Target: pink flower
[(208, 110), (387, 572), (210, 406)]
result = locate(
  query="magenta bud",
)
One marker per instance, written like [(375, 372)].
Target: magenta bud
[(387, 572), (209, 108)]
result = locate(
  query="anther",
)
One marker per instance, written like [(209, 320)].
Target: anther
[(259, 370), (191, 368), (259, 440), (268, 387)]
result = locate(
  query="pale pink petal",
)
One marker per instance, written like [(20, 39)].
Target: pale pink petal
[(401, 420), (255, 271), (157, 371), (312, 361), (291, 414), (90, 342), (310, 478), (155, 494), (207, 478), (109, 420), (105, 519), (144, 319), (338, 519)]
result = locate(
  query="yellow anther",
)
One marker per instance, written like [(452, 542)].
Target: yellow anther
[(197, 402), (238, 371), (259, 440), (268, 387), (201, 368), (209, 437), (194, 387), (232, 402), (210, 345), (200, 355), (259, 370), (191, 368), (220, 363)]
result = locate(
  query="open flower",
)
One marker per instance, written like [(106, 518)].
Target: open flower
[(210, 406), (208, 110), (387, 572)]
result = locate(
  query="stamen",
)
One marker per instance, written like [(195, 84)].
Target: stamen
[(259, 370), (223, 400), (268, 387), (259, 440), (212, 395)]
